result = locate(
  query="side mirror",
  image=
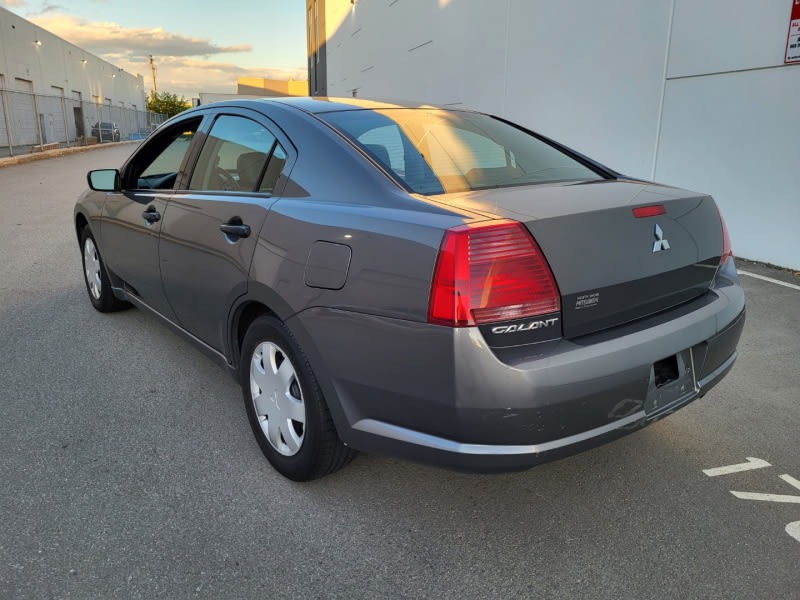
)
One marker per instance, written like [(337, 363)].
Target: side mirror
[(104, 180)]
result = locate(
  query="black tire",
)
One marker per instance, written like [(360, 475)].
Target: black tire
[(320, 451), (97, 283)]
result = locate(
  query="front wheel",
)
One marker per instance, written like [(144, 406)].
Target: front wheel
[(96, 277), (285, 406)]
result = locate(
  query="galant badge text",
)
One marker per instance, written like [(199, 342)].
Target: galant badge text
[(525, 326)]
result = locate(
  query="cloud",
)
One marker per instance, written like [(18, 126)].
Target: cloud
[(190, 76), (104, 38), (13, 3), (182, 62)]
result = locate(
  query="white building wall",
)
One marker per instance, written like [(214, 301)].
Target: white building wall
[(710, 36), (563, 69), (590, 74), (57, 63), (691, 93), (731, 121)]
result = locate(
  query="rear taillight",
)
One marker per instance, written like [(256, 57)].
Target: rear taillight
[(490, 272), (726, 240)]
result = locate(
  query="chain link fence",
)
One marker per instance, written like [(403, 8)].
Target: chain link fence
[(34, 122)]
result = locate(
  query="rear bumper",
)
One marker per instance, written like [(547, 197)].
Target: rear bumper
[(488, 457), (440, 395)]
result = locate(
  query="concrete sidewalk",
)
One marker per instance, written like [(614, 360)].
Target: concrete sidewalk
[(24, 158)]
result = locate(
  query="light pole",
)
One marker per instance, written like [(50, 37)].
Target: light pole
[(153, 71)]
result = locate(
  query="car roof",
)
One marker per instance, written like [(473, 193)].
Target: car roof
[(320, 104)]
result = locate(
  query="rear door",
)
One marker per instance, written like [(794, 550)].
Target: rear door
[(211, 229), (132, 218)]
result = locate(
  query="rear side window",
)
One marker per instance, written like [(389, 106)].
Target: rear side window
[(274, 169), (437, 151), (233, 157)]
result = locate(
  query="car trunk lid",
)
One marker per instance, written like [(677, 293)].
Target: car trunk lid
[(610, 265)]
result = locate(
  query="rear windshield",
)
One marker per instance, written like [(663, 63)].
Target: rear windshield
[(437, 152)]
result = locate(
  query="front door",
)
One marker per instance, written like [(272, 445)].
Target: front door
[(133, 218)]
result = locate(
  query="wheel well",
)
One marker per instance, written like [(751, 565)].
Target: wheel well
[(247, 313), (80, 223)]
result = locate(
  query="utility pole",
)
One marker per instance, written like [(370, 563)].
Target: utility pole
[(153, 70)]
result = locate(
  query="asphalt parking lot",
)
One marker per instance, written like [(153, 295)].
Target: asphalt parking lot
[(128, 467)]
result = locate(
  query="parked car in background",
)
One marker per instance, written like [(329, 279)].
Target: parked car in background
[(442, 285), (106, 132)]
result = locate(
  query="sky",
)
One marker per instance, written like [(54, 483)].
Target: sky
[(198, 46)]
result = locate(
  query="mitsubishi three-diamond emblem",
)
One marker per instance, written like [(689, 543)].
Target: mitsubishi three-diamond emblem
[(660, 243)]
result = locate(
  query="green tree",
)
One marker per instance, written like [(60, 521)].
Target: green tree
[(166, 103)]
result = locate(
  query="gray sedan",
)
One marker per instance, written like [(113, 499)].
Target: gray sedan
[(442, 285)]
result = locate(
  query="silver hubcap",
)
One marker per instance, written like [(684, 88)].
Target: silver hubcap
[(277, 398), (91, 265)]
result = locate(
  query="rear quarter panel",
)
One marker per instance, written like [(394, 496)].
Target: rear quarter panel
[(335, 194), (393, 253)]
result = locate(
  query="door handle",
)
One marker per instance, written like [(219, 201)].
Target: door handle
[(151, 215), (234, 229)]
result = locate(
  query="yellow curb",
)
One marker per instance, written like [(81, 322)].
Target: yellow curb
[(24, 158)]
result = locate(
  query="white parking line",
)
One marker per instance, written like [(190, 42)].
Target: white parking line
[(793, 529), (752, 463), (770, 279), (767, 497), (772, 497), (791, 481)]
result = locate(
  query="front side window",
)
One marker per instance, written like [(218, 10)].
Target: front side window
[(434, 151), (233, 157), (157, 165)]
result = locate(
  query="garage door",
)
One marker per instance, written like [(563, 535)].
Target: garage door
[(52, 111), (23, 113)]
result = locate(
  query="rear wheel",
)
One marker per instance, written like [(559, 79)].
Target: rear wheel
[(285, 406), (96, 277)]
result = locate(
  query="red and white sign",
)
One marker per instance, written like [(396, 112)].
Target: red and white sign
[(793, 39)]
